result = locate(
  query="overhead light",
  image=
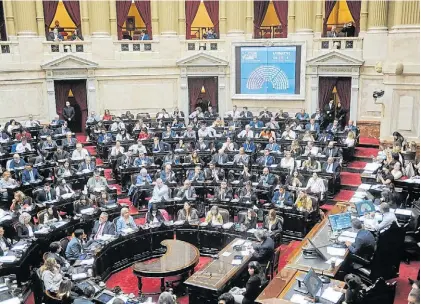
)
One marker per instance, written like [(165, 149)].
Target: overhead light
[(202, 90)]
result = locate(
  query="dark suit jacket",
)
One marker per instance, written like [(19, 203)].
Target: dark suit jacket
[(263, 162), (220, 173), (68, 112), (335, 168), (23, 231), (7, 244), (335, 152), (109, 228), (264, 252), (274, 227), (215, 158), (364, 244), (84, 166), (287, 198), (62, 156), (42, 195), (73, 249), (26, 177), (228, 194), (252, 289), (316, 127), (59, 259), (149, 217), (247, 114), (270, 179)]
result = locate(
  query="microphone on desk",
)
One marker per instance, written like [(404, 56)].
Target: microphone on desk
[(324, 279)]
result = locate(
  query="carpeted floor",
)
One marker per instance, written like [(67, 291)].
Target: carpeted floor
[(352, 179), (357, 164), (369, 141), (343, 195), (366, 152)]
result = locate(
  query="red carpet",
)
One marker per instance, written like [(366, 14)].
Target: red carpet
[(351, 179), (107, 173), (369, 141), (366, 152), (357, 164), (99, 162), (91, 150), (132, 209), (80, 137), (403, 288), (343, 195)]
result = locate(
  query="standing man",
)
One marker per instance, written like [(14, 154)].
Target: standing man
[(69, 115)]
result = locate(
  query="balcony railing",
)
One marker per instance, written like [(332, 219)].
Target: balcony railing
[(270, 32), (204, 45), (133, 33), (67, 47), (134, 45), (339, 43), (8, 47), (198, 33)]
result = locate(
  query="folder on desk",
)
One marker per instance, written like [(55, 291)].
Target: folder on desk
[(332, 295), (7, 259)]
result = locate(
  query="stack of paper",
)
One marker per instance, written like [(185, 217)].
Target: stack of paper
[(7, 259), (299, 299), (332, 295), (336, 251)]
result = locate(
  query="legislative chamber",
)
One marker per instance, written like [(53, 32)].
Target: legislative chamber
[(209, 151)]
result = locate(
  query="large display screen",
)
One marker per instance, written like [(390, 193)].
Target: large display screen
[(268, 70)]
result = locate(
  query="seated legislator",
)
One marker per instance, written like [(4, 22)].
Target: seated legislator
[(287, 162), (49, 144), (272, 146), (310, 149), (250, 220), (30, 123), (160, 193), (137, 148), (63, 188), (252, 290), (263, 251), (188, 213), (228, 145), (311, 165), (295, 148), (307, 137), (266, 159), (223, 193), (60, 154), (205, 131), (333, 127), (214, 217), (17, 162), (189, 133), (69, 141), (102, 227), (154, 215), (245, 174), (331, 166), (80, 153), (25, 229), (241, 158), (364, 243), (23, 146), (196, 175), (246, 113), (19, 201), (30, 174), (247, 193), (304, 202), (388, 218), (186, 191), (96, 183), (167, 175), (267, 178), (265, 113), (65, 170), (273, 223), (143, 134), (214, 173), (316, 185), (75, 247), (88, 165), (246, 133), (302, 115), (288, 134), (124, 221), (220, 158), (46, 194), (256, 124), (272, 124), (201, 145), (157, 146), (142, 160), (332, 151), (50, 275), (54, 252), (117, 125), (282, 198), (81, 204), (7, 182), (350, 139), (249, 146), (168, 133), (194, 159), (52, 215), (181, 146), (103, 200), (313, 126)]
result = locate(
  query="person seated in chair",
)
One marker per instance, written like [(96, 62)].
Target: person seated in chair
[(52, 215), (303, 202), (287, 162), (60, 154), (5, 244), (214, 217), (88, 295), (241, 158), (188, 213), (54, 252), (144, 36), (311, 164), (103, 200), (69, 141), (82, 204), (75, 247), (246, 132), (97, 182), (256, 124), (388, 218), (50, 275), (214, 173), (142, 160), (46, 194), (266, 159), (154, 215), (223, 193), (102, 226), (201, 145), (288, 134), (249, 146), (125, 221), (55, 35), (88, 165), (157, 146), (17, 162), (30, 174), (19, 201), (160, 193), (80, 153), (247, 193), (250, 220), (196, 175), (313, 126), (282, 198), (186, 191), (63, 188), (25, 229), (316, 185), (167, 175), (263, 251), (331, 166), (302, 115), (331, 150), (49, 144), (220, 158), (273, 223), (364, 243), (267, 178), (250, 293)]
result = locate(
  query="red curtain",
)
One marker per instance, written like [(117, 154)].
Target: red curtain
[(212, 7), (73, 8), (329, 5), (281, 9), (122, 7), (50, 8), (78, 88), (191, 10), (343, 87), (355, 10), (144, 9), (211, 90), (260, 9), (195, 85), (326, 85)]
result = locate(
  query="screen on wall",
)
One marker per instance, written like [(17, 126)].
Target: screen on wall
[(268, 70)]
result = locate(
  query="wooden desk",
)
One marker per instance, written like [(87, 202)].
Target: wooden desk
[(180, 258), (217, 277), (275, 287)]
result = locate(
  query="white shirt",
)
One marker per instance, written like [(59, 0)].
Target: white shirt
[(20, 148), (246, 133), (118, 126), (136, 149), (349, 142), (3, 246), (316, 185), (229, 147), (329, 168), (115, 150), (76, 155), (287, 163), (31, 123), (207, 132), (289, 135), (388, 219), (235, 114), (30, 231)]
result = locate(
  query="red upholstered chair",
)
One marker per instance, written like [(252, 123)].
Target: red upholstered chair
[(165, 214)]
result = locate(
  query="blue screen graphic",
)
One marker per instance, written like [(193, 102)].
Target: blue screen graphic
[(268, 70)]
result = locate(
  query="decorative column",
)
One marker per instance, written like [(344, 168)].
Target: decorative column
[(181, 18), (168, 17), (363, 16), (26, 18), (40, 17), (222, 18), (113, 19), (237, 17), (377, 15), (249, 18), (291, 17), (99, 17), (84, 14), (10, 19), (318, 25), (155, 19), (410, 12), (304, 17)]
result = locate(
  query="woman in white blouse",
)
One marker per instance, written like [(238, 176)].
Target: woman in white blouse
[(397, 171), (350, 139), (288, 162), (50, 275)]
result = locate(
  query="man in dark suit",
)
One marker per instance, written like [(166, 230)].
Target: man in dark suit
[(220, 158), (88, 295), (333, 127), (332, 151), (214, 173), (69, 114), (46, 194), (223, 193), (364, 243), (246, 113), (88, 165), (263, 252), (329, 111), (102, 226), (60, 154), (5, 244), (75, 248), (331, 166), (313, 126), (55, 249), (282, 197), (30, 174), (267, 178), (186, 191), (266, 160)]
